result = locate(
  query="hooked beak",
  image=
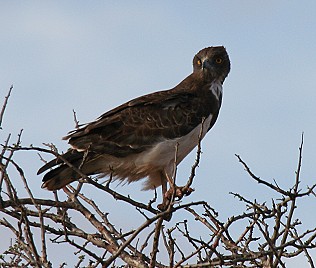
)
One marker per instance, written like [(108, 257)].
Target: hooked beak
[(206, 65)]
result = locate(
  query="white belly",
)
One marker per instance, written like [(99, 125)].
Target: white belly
[(163, 154)]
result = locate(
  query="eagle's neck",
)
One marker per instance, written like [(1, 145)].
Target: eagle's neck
[(216, 88), (196, 81)]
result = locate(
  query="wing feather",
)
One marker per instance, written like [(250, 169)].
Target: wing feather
[(144, 121)]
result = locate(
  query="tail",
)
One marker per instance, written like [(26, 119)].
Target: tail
[(62, 175)]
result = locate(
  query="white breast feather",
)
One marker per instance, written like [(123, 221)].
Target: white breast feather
[(217, 89), (163, 153)]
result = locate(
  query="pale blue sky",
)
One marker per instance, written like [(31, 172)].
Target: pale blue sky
[(92, 56)]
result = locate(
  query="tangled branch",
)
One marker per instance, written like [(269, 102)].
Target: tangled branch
[(264, 235)]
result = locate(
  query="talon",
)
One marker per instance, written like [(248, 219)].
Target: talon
[(179, 192), (187, 190)]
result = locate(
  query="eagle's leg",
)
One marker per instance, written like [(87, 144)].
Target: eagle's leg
[(165, 202), (163, 186)]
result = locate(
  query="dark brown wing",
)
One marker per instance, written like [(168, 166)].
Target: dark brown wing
[(141, 123)]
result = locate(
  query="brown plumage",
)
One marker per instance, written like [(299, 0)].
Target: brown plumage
[(138, 139)]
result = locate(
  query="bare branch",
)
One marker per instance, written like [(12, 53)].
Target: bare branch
[(191, 234), (5, 105), (75, 119)]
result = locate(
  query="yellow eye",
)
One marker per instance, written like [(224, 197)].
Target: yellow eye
[(198, 62), (218, 60)]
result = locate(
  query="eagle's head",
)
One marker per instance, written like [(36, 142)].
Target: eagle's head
[(212, 63)]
